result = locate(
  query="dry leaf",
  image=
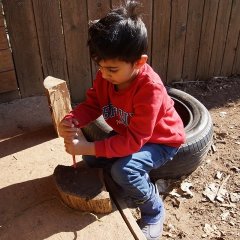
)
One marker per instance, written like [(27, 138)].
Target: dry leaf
[(185, 187)]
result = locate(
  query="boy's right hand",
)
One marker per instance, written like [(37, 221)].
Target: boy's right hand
[(67, 128)]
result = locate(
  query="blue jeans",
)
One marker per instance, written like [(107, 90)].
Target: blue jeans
[(131, 172)]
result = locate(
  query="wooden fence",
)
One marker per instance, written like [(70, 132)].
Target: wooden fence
[(188, 40)]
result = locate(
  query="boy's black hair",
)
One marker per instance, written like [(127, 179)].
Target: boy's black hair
[(121, 35)]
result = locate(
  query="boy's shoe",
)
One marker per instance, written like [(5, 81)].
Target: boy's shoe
[(152, 231)]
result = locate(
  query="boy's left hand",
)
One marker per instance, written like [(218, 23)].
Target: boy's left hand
[(80, 147)]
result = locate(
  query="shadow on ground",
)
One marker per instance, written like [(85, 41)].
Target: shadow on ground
[(213, 93), (33, 210), (26, 140)]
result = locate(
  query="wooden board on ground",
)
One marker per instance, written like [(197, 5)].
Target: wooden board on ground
[(117, 196)]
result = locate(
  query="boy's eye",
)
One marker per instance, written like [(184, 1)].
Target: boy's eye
[(112, 71)]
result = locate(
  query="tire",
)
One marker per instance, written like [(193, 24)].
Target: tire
[(199, 133)]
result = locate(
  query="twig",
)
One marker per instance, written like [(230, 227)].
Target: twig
[(222, 185)]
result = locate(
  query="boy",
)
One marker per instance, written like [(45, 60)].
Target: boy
[(133, 101)]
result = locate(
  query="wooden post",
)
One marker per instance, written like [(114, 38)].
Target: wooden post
[(58, 98)]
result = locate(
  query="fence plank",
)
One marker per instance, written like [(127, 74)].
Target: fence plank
[(3, 39), (75, 24), (147, 19), (220, 36), (50, 37), (6, 62), (194, 23), (160, 40), (147, 12), (1, 16), (177, 39), (9, 96), (116, 3), (207, 34), (232, 39), (236, 64), (96, 10), (8, 81), (23, 38)]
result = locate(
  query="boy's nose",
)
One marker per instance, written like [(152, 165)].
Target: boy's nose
[(104, 72)]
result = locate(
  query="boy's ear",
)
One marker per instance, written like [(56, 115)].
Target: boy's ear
[(141, 61)]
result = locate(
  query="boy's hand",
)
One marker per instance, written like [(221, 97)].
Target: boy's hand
[(67, 128), (79, 146)]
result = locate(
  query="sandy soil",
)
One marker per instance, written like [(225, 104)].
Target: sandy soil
[(30, 207), (192, 215), (27, 162)]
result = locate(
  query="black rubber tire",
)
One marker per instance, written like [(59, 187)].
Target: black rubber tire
[(199, 133)]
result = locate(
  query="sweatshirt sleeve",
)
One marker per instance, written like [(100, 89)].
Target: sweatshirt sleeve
[(147, 105), (88, 110)]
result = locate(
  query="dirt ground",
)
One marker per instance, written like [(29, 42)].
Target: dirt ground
[(209, 206), (204, 205)]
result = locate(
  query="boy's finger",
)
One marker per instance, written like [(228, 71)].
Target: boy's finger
[(75, 122), (69, 129), (68, 140), (67, 123)]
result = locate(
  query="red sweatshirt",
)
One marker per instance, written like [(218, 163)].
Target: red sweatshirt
[(143, 112)]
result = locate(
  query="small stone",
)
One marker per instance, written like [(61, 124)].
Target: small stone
[(234, 197), (231, 223), (219, 175), (222, 114), (225, 215)]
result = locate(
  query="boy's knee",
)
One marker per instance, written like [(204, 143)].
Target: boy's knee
[(121, 173)]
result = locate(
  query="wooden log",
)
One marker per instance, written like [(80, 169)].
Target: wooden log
[(83, 188), (58, 98)]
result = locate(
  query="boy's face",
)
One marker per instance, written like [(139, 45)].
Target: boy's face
[(118, 72)]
